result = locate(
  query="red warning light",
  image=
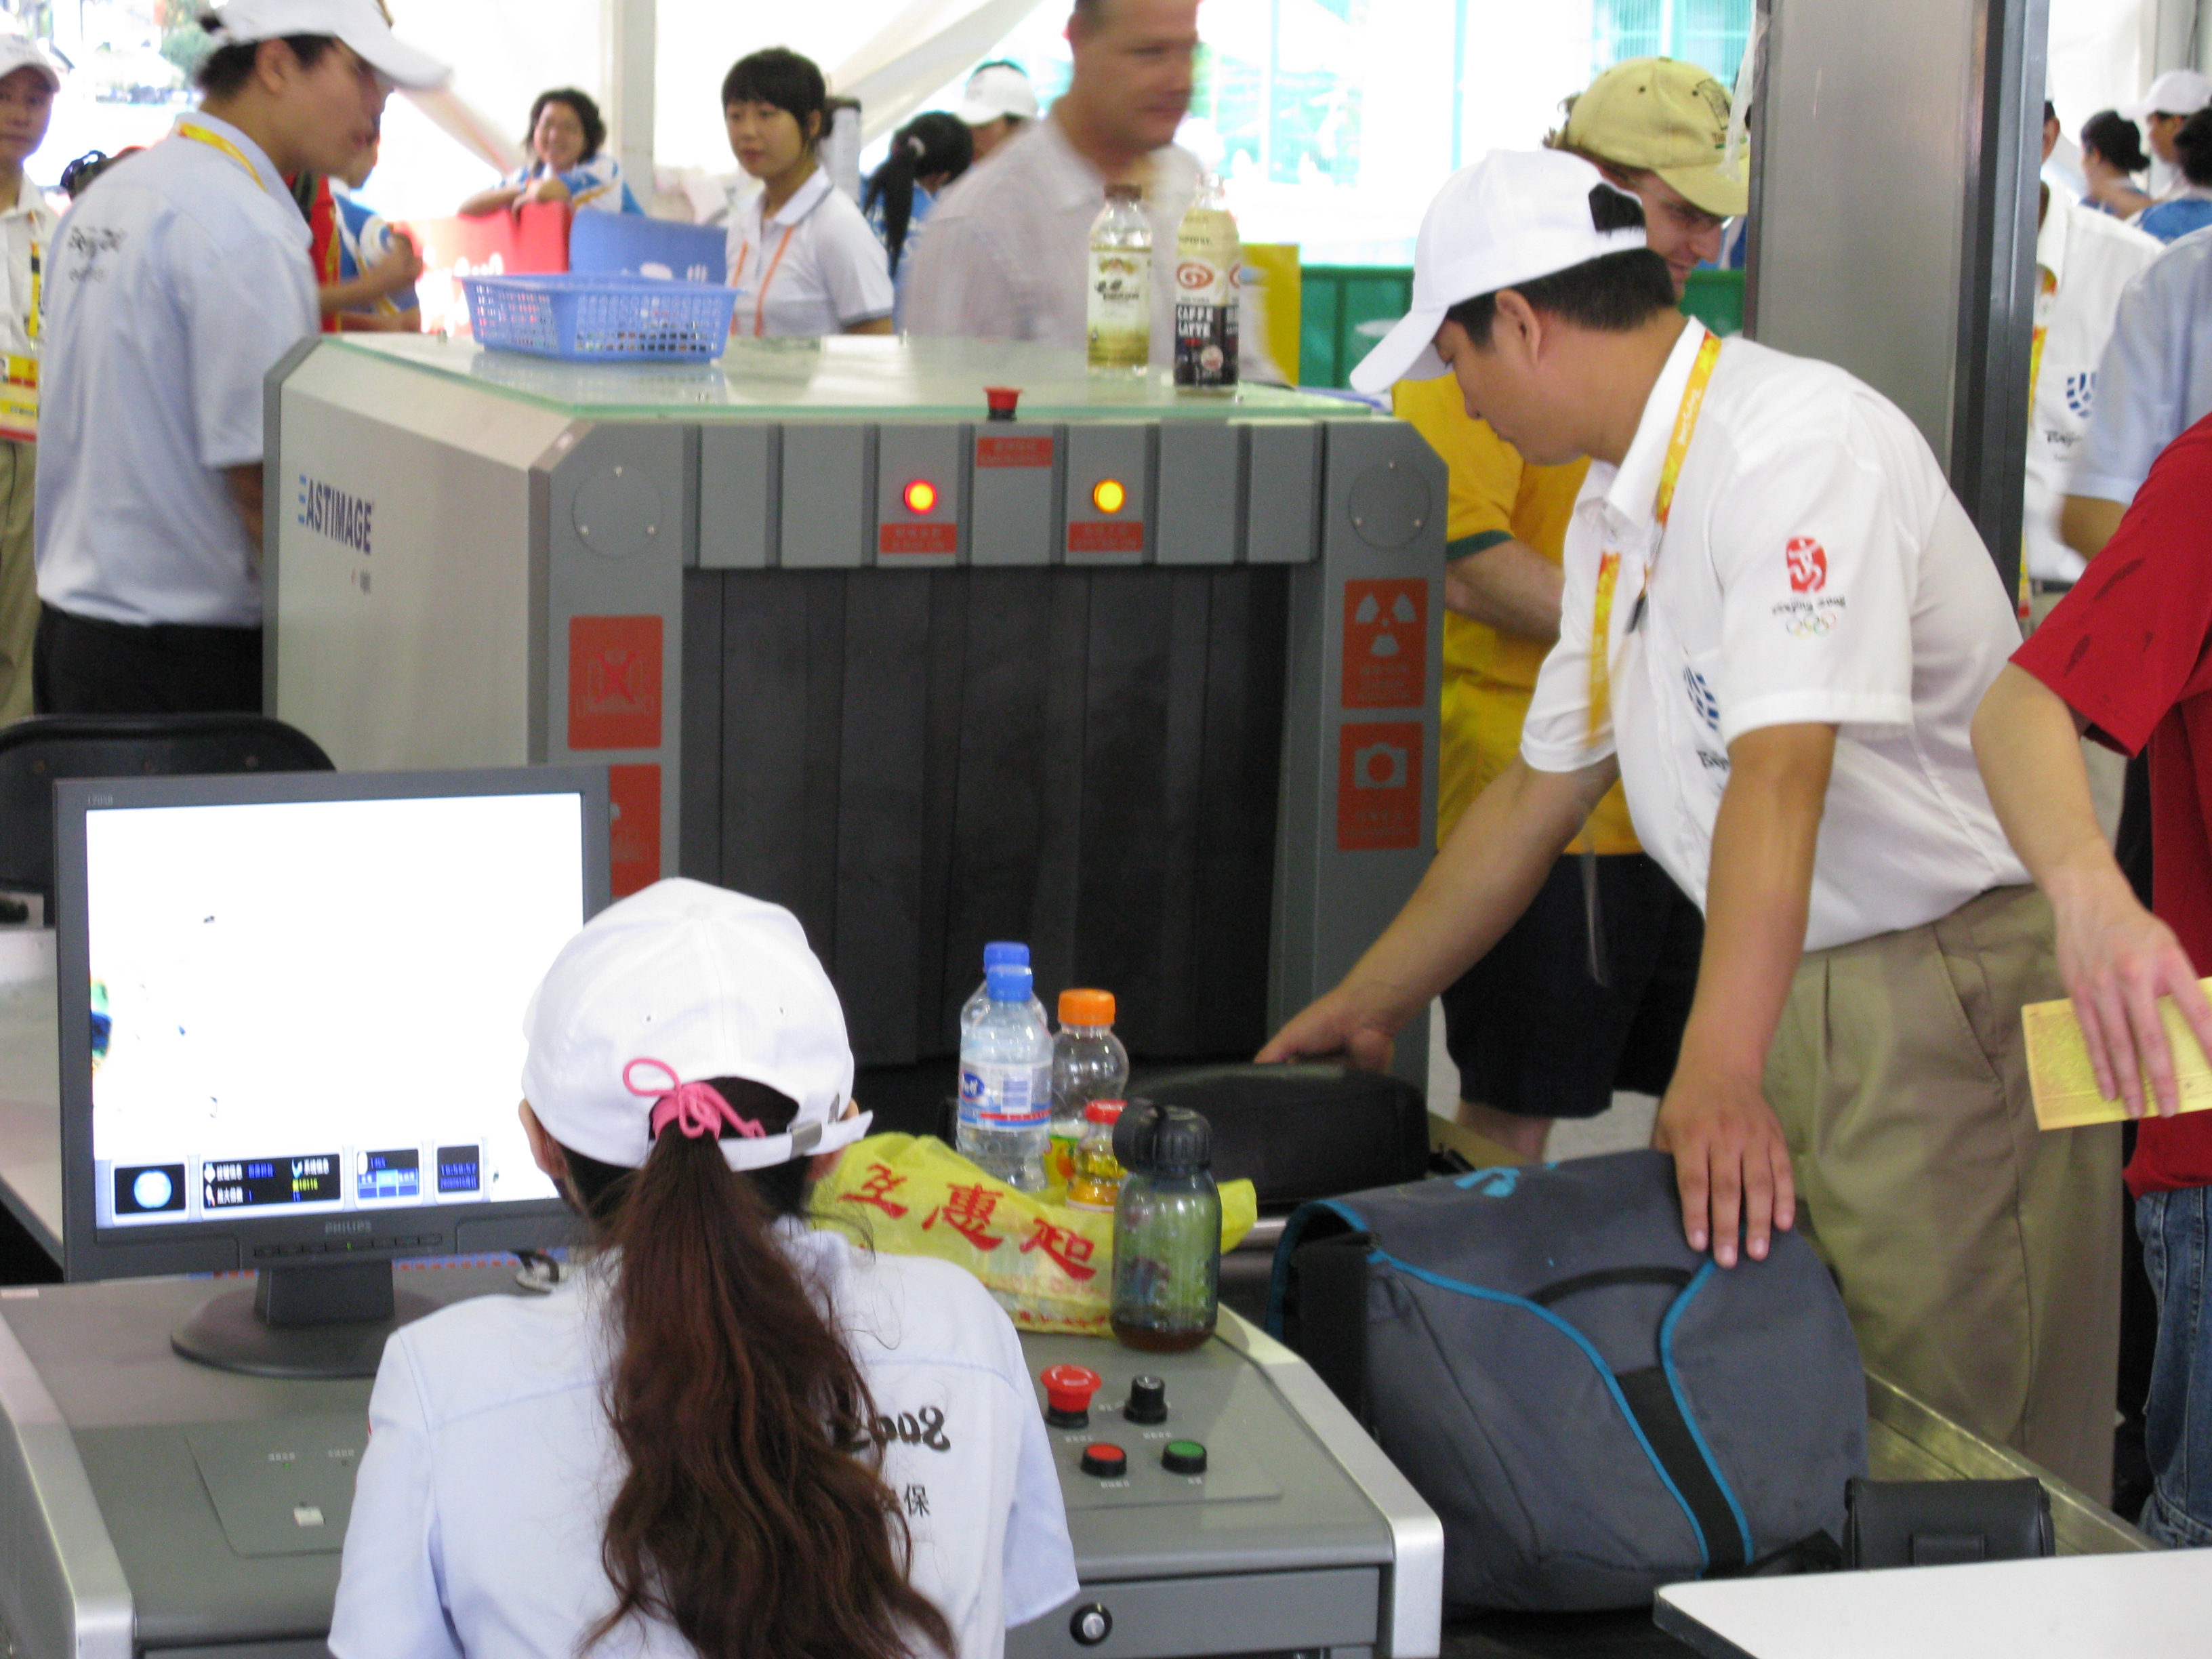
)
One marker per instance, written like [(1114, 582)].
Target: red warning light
[(920, 496), (1110, 495)]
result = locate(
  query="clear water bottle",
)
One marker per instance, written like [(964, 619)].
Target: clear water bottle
[(1166, 1230), (1005, 1083), (999, 953), (1118, 311), (1088, 1063)]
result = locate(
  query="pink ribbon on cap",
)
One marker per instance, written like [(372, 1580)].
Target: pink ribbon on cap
[(694, 1108)]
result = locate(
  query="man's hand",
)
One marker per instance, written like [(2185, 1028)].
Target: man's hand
[(1342, 1023), (2118, 960), (1731, 1166), (401, 267)]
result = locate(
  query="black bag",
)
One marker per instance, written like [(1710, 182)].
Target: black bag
[(1592, 1408), (1303, 1132), (1941, 1523)]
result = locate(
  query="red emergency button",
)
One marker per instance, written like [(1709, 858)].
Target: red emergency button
[(1067, 1391), (1107, 1461)]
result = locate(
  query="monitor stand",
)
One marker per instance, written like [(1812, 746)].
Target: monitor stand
[(305, 1322)]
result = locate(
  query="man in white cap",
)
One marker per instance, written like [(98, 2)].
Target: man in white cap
[(28, 82), (1587, 993), (997, 103), (1007, 257), (174, 288), (2171, 100), (1776, 623)]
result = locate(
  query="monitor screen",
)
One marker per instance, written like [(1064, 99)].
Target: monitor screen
[(302, 999)]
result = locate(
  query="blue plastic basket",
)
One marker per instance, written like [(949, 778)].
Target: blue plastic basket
[(600, 319)]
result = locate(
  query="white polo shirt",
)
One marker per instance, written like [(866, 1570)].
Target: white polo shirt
[(2092, 258), (813, 268), (1008, 254), (174, 288), (482, 1500), (2155, 380), (1816, 569)]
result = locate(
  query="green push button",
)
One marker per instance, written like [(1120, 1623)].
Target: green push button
[(1183, 1457)]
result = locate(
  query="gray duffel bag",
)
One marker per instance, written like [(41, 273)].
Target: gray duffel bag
[(1593, 1408)]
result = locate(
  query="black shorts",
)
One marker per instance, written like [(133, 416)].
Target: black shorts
[(83, 666), (1534, 1034)]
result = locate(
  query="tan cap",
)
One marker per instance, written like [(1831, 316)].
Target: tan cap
[(1671, 118)]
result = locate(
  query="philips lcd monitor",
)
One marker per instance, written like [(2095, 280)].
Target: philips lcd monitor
[(291, 1036)]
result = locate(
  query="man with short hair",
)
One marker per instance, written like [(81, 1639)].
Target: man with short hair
[(1587, 993), (28, 82), (172, 290), (997, 103), (1007, 257), (1776, 623)]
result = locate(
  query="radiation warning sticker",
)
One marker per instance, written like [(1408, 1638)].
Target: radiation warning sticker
[(1386, 637)]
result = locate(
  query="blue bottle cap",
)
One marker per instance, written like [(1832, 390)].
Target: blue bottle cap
[(1004, 952), (1007, 981)]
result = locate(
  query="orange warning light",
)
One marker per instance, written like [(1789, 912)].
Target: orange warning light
[(920, 496), (1108, 495)]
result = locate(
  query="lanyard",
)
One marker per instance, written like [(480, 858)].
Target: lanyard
[(216, 141), (760, 300), (1608, 570)]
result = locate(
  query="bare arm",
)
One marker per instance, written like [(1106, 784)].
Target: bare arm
[(1481, 879), (1730, 1160), (2086, 523), (498, 198), (398, 269), (245, 483), (2116, 957), (1509, 586)]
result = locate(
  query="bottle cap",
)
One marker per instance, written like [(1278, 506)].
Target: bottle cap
[(1181, 1143), (1002, 951), (1102, 1111), (1124, 192), (1007, 981), (1079, 1008)]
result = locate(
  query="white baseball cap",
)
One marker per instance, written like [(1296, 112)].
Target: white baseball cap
[(996, 90), (680, 984), (359, 23), (2177, 92), (16, 52), (1513, 216)]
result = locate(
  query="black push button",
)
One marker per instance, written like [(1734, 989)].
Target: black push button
[(1108, 1462), (1090, 1624), (1148, 1401), (1183, 1457)]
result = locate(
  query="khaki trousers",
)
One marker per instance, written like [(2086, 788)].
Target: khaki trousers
[(19, 577), (1979, 1256)]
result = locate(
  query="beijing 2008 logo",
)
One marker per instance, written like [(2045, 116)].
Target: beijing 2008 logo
[(1809, 565)]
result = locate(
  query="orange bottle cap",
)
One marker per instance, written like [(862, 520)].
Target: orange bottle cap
[(1086, 1007), (1102, 1111)]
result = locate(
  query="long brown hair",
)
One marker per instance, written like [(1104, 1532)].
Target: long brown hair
[(753, 1516)]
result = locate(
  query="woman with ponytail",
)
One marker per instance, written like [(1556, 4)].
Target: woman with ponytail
[(928, 153), (729, 1434)]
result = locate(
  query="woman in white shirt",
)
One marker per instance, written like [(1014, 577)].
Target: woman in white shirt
[(567, 161), (728, 1433), (801, 255)]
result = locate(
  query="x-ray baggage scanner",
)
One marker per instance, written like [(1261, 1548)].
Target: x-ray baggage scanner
[(1148, 680)]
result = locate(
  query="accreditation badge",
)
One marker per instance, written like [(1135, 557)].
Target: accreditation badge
[(19, 400)]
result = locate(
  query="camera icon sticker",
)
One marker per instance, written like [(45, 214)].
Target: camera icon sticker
[(1378, 786)]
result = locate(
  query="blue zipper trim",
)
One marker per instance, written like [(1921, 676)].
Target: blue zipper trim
[(1596, 1359), (1682, 1403), (1279, 1275)]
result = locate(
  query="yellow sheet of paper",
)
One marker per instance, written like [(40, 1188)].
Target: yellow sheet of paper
[(2065, 1084)]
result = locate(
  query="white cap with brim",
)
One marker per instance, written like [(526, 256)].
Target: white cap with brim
[(359, 23), (2177, 92), (684, 983), (16, 52), (995, 91), (1513, 216)]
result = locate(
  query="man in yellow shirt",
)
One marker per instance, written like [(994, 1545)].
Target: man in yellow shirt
[(1588, 993)]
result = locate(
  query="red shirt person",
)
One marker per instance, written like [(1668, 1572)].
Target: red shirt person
[(2127, 657)]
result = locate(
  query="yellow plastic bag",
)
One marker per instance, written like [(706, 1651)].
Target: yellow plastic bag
[(1049, 1265)]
